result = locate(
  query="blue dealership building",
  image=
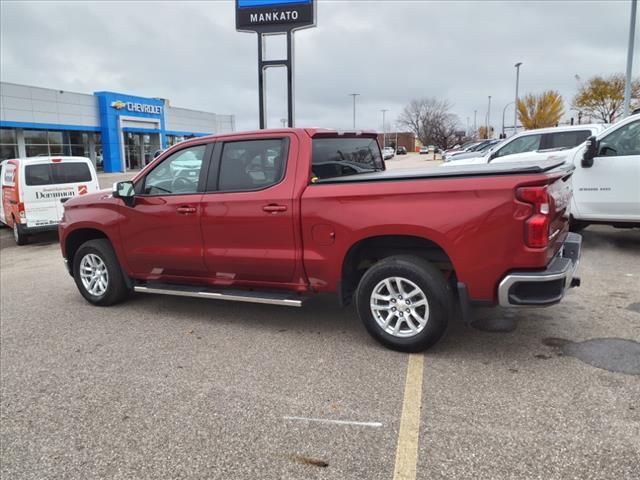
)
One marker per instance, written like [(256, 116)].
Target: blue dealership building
[(117, 131)]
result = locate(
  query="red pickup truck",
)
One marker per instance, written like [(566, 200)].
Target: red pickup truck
[(275, 216)]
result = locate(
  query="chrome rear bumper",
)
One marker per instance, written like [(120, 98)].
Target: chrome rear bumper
[(547, 287)]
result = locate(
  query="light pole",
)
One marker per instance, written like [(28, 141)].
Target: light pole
[(489, 118), (384, 129), (503, 112), (354, 95), (475, 123), (632, 31), (515, 109)]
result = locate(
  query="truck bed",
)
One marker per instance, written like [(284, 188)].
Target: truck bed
[(450, 172)]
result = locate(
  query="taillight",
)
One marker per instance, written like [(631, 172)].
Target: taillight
[(536, 227), (21, 210)]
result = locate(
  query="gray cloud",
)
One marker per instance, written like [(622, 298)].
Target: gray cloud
[(388, 51)]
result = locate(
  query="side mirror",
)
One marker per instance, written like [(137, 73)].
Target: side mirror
[(590, 152), (124, 190)]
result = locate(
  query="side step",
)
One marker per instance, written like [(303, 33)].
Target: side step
[(287, 299)]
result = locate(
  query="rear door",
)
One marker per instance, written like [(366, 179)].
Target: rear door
[(8, 196), (47, 184), (610, 189), (248, 211)]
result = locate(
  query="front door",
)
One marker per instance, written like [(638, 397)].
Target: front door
[(609, 190), (248, 212), (161, 234)]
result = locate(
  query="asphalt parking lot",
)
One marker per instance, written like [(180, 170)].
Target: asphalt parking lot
[(167, 388)]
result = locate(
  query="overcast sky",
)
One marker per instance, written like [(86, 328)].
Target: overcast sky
[(388, 51)]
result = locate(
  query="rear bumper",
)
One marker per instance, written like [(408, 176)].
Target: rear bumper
[(547, 287), (40, 229)]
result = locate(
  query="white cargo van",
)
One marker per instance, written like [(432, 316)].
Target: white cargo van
[(35, 189)]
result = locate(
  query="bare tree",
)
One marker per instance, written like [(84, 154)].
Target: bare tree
[(431, 121)]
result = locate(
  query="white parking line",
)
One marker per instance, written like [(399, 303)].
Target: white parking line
[(336, 422)]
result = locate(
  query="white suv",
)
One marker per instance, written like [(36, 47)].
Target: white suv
[(534, 145)]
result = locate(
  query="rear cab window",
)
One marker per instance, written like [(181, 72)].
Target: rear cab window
[(339, 157), (57, 173)]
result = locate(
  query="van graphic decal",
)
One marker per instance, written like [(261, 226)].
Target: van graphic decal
[(83, 190)]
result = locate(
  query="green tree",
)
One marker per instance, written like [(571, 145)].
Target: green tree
[(603, 97), (539, 111)]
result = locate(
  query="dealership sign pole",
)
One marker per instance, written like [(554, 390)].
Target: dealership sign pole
[(275, 17)]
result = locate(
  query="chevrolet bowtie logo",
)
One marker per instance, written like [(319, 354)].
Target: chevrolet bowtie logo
[(118, 104)]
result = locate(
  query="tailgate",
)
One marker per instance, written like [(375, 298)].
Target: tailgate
[(560, 192)]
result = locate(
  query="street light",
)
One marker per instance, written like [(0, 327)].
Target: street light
[(515, 109), (632, 30), (503, 112), (384, 130), (488, 118), (354, 95)]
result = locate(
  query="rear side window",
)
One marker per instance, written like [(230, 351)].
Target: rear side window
[(56, 173), (566, 139), (252, 165), (338, 157)]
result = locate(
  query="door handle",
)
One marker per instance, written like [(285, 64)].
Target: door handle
[(274, 208), (186, 210)]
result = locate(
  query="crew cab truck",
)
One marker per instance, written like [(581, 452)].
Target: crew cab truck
[(276, 216), (607, 177)]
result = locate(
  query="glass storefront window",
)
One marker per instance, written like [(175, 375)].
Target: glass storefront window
[(8, 143), (55, 138), (8, 151), (35, 137), (8, 135), (37, 150)]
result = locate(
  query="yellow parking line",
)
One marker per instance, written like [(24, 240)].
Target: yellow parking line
[(407, 451)]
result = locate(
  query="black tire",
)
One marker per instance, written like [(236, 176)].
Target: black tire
[(116, 290), (19, 234), (432, 283), (577, 225)]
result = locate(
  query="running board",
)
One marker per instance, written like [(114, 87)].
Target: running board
[(271, 298)]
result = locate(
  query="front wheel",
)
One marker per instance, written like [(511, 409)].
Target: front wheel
[(405, 303), (97, 273)]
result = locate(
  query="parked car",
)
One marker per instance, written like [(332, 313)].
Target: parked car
[(424, 150), (479, 149), (388, 152), (534, 145), (396, 243), (34, 190), (401, 151), (606, 181)]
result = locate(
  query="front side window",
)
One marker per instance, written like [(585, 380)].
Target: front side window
[(624, 141), (252, 165), (527, 143), (176, 174), (338, 157), (566, 139)]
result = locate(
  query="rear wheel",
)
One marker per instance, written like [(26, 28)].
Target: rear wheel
[(19, 235), (577, 225), (97, 273), (405, 303)]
